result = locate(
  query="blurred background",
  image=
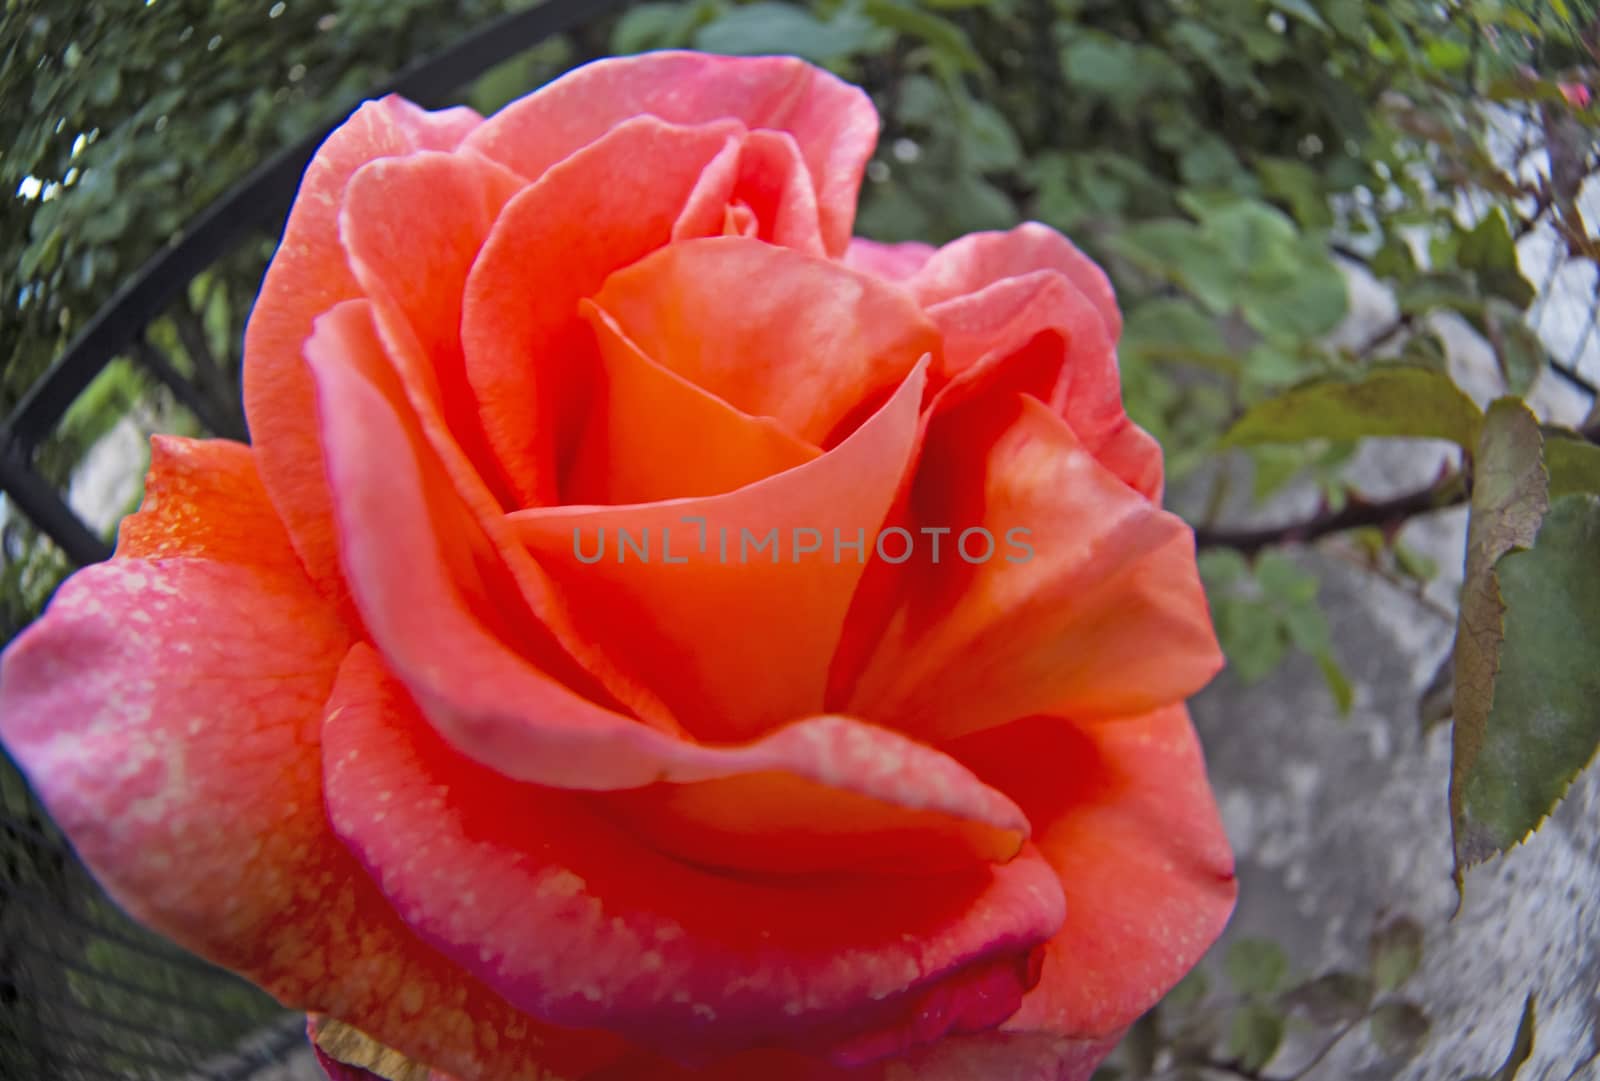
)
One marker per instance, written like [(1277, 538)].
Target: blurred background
[(1280, 189)]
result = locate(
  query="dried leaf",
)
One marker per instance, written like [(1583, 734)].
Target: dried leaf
[(1509, 498), (353, 1047)]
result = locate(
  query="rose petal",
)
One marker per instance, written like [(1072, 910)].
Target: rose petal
[(892, 262), (696, 621), (833, 123), (1042, 310), (529, 356), (762, 181), (426, 587), (411, 228), (167, 713), (308, 276), (979, 259), (653, 435), (1095, 611), (807, 347), (203, 497), (989, 1056), (394, 492), (574, 921), (1125, 816)]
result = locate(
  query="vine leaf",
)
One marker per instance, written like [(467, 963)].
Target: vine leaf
[(1255, 1035), (1518, 351), (1543, 724), (1510, 494), (1400, 1029), (1332, 998), (1388, 401), (1396, 951), (1256, 965)]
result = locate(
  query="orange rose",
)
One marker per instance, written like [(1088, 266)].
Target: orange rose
[(773, 786)]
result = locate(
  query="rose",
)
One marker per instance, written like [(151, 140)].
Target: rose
[(345, 715)]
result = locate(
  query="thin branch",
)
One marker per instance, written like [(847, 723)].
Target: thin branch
[(1385, 334), (1410, 587), (1448, 491)]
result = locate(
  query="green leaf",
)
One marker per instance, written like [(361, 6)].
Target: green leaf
[(988, 142), (1510, 495), (1222, 567), (1302, 10), (1104, 65), (947, 40), (1178, 251), (654, 26), (768, 27), (1489, 251), (1256, 965), (1543, 725), (1333, 998), (1189, 993), (1396, 952), (1388, 401), (1437, 289), (1517, 349), (1521, 1044), (1173, 329), (1574, 465), (1255, 1035), (1400, 1029), (1300, 187), (1283, 580), (1447, 55), (1344, 695), (1252, 637), (1394, 260)]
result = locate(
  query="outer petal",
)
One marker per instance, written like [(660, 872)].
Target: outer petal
[(980, 259), (1101, 614), (697, 620), (1042, 310), (833, 122), (1125, 816), (574, 921), (167, 713), (529, 357), (308, 276), (771, 331), (411, 228), (203, 497), (892, 262), (985, 1056)]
